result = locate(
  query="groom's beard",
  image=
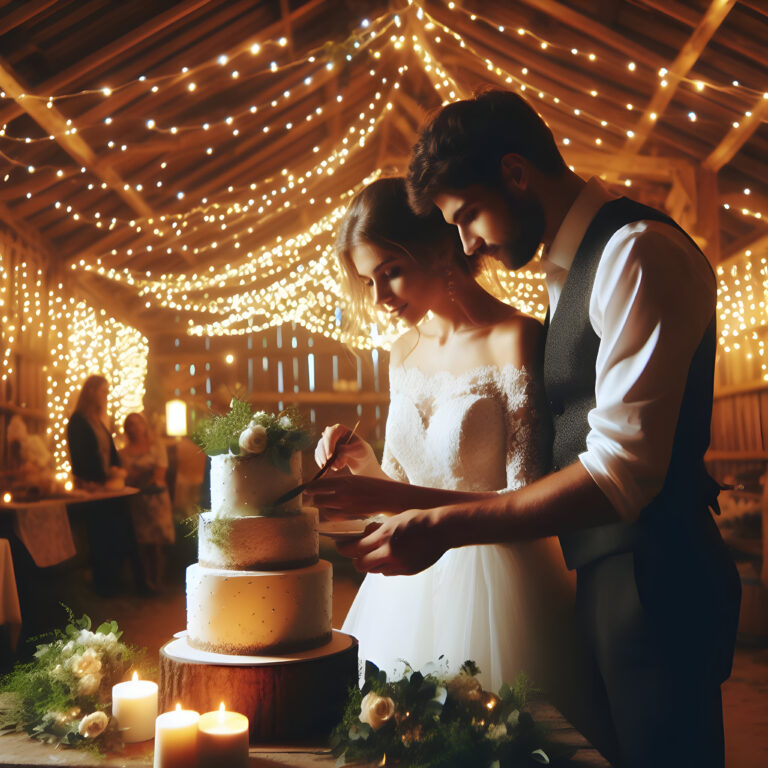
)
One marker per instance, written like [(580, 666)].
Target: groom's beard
[(528, 215)]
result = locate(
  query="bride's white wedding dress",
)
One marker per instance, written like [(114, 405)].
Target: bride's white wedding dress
[(506, 607)]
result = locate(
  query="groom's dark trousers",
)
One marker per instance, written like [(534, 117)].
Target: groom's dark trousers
[(658, 598)]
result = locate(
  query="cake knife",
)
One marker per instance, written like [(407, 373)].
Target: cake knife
[(299, 488)]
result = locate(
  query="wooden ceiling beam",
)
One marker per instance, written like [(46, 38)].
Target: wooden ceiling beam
[(53, 123), (678, 69), (737, 136), (108, 53), (730, 39), (26, 11), (755, 241)]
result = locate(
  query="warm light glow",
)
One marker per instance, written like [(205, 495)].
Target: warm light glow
[(135, 676), (176, 418), (7, 498)]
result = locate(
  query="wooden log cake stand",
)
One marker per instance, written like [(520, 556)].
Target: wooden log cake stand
[(297, 697)]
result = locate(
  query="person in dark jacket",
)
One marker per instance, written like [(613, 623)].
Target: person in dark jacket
[(96, 464)]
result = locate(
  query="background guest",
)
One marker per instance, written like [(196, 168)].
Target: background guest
[(95, 463), (146, 461)]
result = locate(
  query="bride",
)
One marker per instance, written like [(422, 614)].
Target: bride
[(466, 419)]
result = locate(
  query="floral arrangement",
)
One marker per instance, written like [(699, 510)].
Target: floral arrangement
[(243, 432), (64, 695), (429, 720)]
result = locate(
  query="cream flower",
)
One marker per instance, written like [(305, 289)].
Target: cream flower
[(253, 439), (93, 725), (88, 684), (376, 710), (87, 664), (285, 422)]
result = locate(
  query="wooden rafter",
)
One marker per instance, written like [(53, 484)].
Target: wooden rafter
[(54, 124), (678, 69), (739, 134), (23, 13), (108, 53)]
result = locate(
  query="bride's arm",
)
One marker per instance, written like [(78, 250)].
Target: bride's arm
[(359, 496)]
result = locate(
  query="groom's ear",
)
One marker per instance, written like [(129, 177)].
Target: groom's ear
[(514, 171)]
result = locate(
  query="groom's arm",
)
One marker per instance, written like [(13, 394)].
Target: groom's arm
[(565, 500)]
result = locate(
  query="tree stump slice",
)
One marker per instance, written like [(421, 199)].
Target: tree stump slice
[(298, 698)]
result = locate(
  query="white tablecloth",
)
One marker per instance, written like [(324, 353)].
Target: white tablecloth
[(10, 610)]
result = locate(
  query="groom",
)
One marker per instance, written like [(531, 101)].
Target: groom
[(628, 372)]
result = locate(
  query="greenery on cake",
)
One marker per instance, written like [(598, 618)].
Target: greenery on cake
[(243, 432), (431, 720), (64, 695)]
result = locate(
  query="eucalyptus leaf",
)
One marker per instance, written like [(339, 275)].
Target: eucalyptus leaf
[(540, 756)]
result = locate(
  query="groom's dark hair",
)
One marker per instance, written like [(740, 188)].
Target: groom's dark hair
[(465, 141)]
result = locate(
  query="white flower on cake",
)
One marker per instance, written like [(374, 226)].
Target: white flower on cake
[(93, 725), (376, 710), (253, 439)]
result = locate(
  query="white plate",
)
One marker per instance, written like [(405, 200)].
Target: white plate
[(346, 530)]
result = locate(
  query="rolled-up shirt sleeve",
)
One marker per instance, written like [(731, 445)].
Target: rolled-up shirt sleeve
[(653, 297)]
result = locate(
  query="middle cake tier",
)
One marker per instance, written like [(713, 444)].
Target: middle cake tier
[(259, 612)]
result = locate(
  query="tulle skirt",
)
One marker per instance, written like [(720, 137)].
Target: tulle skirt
[(508, 608)]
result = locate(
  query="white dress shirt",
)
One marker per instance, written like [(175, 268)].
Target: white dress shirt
[(653, 296)]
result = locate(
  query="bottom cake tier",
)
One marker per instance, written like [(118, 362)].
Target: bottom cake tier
[(257, 612)]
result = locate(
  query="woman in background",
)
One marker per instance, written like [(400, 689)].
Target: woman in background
[(146, 462), (95, 463)]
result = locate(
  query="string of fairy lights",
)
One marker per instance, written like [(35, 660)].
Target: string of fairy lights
[(73, 339), (296, 272)]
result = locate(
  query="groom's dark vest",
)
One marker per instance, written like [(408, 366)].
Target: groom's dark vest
[(569, 379)]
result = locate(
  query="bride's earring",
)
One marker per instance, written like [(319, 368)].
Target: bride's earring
[(450, 285)]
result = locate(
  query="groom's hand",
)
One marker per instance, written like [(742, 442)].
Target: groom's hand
[(341, 497), (404, 544)]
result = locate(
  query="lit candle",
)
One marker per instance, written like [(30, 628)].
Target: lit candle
[(223, 739), (134, 706), (176, 739), (7, 498)]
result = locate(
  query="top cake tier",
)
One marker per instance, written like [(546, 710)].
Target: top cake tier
[(243, 486)]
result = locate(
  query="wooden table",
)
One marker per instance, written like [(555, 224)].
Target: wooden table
[(19, 751), (70, 497)]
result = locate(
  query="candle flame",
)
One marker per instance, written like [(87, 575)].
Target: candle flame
[(221, 707), (7, 498), (135, 676), (178, 707)]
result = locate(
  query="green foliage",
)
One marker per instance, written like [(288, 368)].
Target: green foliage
[(69, 678), (437, 721), (286, 433)]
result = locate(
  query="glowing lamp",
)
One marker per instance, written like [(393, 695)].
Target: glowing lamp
[(176, 418)]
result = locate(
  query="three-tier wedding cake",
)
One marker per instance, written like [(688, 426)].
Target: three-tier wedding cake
[(259, 597)]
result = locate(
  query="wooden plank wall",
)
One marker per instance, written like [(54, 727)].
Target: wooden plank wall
[(23, 336), (282, 367)]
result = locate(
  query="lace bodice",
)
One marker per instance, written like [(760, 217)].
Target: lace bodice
[(481, 430)]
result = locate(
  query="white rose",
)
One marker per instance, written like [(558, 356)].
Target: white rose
[(93, 725), (68, 649), (498, 731), (88, 684), (376, 710), (253, 439), (87, 664), (285, 422)]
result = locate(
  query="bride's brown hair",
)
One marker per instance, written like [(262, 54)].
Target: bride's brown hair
[(379, 215)]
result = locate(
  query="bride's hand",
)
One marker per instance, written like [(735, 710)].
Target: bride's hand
[(401, 545), (356, 454), (344, 496)]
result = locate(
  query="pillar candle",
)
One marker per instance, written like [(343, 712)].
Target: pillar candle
[(134, 706), (176, 739), (223, 739)]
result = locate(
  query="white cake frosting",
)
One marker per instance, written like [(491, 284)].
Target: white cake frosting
[(272, 543), (242, 486), (255, 612), (258, 586)]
